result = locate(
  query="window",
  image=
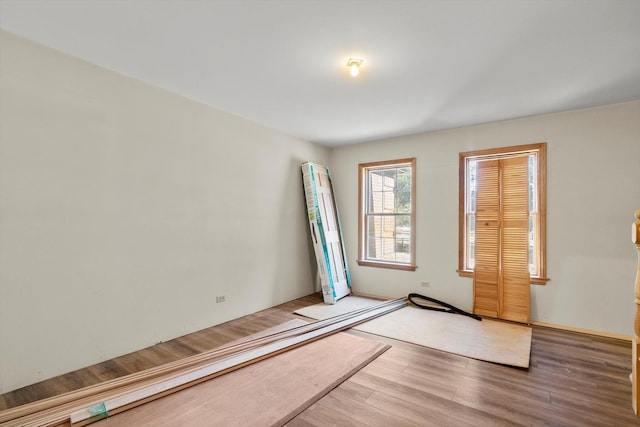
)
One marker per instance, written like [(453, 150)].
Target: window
[(386, 225), (536, 178)]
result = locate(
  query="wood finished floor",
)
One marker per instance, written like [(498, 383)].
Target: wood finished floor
[(574, 380)]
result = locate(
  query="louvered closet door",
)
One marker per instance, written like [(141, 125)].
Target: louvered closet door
[(501, 284), (516, 283), (487, 251)]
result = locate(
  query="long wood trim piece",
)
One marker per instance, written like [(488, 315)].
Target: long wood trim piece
[(93, 392), (120, 394), (191, 361), (146, 394), (188, 362), (154, 391)]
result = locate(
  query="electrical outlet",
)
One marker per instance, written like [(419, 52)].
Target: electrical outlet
[(220, 299), (425, 284)]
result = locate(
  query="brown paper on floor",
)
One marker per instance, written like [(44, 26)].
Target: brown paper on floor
[(270, 392)]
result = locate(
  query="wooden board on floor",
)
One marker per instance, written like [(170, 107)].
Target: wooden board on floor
[(488, 340), (270, 392)]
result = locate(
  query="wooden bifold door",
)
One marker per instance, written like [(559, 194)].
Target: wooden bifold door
[(501, 280)]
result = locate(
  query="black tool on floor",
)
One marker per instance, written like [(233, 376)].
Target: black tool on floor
[(448, 307)]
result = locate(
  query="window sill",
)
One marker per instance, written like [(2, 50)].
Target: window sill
[(539, 280), (534, 280), (389, 265)]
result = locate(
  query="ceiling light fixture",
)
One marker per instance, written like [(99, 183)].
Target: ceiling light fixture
[(354, 64)]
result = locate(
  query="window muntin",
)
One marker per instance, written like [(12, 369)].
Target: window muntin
[(387, 214), (537, 206)]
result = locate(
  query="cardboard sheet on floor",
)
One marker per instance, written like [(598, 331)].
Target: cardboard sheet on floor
[(489, 340), (345, 305), (270, 392)]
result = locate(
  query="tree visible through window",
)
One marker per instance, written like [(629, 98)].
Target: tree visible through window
[(387, 214)]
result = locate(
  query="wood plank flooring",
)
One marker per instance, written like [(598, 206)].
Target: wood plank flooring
[(574, 380)]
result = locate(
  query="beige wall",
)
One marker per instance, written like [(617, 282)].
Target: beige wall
[(125, 210), (593, 191)]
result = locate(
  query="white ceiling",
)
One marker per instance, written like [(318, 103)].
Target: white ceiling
[(429, 65)]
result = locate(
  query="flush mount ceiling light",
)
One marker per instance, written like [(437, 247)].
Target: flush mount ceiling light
[(354, 64)]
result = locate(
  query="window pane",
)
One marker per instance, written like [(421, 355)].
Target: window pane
[(389, 238), (389, 181), (375, 195), (532, 266), (471, 186), (471, 240), (390, 178), (403, 238), (388, 204), (388, 251), (403, 190), (532, 184), (470, 208), (373, 223)]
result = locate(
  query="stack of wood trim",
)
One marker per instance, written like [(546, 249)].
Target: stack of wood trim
[(89, 404)]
